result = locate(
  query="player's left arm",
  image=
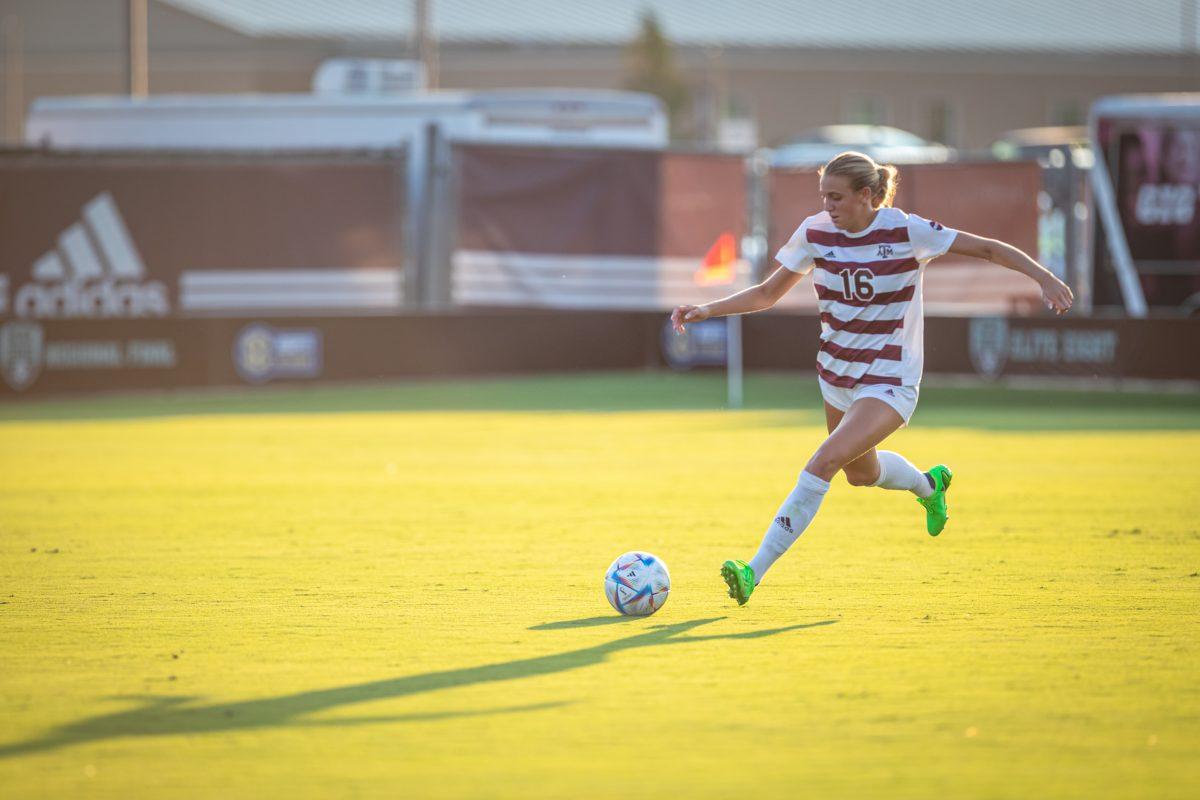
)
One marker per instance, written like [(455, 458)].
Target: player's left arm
[(1055, 294)]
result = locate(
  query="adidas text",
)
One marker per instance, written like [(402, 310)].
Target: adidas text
[(105, 298), (94, 272)]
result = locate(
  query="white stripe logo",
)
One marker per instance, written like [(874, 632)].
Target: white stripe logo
[(262, 292), (95, 272), (105, 223)]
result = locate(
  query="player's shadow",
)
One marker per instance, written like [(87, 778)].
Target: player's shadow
[(586, 622), (173, 716)]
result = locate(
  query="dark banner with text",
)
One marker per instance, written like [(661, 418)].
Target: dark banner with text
[(94, 236), (66, 356)]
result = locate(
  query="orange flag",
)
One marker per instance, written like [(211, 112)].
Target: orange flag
[(719, 263)]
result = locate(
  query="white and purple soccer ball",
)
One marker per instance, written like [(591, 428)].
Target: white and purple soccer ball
[(637, 584)]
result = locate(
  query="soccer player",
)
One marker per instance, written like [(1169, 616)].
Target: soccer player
[(870, 259)]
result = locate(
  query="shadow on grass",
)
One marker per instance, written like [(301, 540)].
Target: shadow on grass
[(587, 622), (175, 716), (795, 393)]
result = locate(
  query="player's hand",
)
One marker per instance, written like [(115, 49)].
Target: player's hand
[(685, 314), (1057, 295)]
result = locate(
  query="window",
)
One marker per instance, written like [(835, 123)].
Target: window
[(864, 111), (1067, 111), (942, 124)]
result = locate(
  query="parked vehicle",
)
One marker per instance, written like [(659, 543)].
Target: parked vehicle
[(569, 117), (882, 143), (1040, 143)]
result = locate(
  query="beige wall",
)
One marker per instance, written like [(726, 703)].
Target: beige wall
[(77, 47), (71, 47), (790, 91)]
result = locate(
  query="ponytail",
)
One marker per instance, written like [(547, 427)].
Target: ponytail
[(864, 173)]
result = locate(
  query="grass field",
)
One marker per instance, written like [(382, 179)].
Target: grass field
[(395, 591)]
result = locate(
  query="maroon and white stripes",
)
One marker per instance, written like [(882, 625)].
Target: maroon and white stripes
[(868, 288), (864, 355), (837, 239), (848, 382), (861, 325), (864, 285), (879, 299), (895, 266)]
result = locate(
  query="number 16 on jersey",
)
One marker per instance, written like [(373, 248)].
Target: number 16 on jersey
[(856, 284)]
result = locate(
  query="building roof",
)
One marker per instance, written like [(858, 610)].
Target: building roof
[(1067, 26)]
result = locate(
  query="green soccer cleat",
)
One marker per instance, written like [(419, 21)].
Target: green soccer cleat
[(740, 579), (936, 512)]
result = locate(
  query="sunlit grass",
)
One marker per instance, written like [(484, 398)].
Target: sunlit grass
[(209, 600)]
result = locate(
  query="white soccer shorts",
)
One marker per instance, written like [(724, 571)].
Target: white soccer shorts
[(901, 398)]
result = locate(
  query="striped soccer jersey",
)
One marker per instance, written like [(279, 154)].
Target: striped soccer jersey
[(868, 287)]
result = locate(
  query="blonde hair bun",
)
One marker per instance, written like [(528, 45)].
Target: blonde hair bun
[(863, 173)]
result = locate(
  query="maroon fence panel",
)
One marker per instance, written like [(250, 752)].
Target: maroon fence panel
[(555, 228)]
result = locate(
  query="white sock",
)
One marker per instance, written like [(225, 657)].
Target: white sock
[(895, 472), (794, 515)]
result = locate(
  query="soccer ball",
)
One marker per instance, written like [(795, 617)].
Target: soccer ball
[(637, 584)]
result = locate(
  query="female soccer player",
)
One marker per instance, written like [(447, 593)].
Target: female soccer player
[(869, 260)]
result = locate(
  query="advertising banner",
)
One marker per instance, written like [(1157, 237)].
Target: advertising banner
[(1154, 165), (91, 355), (65, 356), (50, 356), (1000, 347), (156, 237)]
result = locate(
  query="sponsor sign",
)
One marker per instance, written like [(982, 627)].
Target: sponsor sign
[(989, 345), (152, 236), (94, 272), (1151, 152), (1156, 170), (262, 353), (702, 344), (20, 353), (994, 344), (26, 351)]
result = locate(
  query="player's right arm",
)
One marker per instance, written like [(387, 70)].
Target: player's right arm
[(759, 297), (1055, 294), (796, 258)]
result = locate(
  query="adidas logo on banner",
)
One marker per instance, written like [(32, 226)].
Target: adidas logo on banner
[(785, 523), (95, 271)]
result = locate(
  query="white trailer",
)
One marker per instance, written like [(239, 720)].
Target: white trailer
[(283, 122), (417, 123)]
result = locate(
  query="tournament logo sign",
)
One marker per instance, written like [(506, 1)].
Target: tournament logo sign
[(702, 344), (20, 353), (989, 345), (261, 353)]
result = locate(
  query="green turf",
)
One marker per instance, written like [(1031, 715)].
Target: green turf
[(986, 407), (395, 591)]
